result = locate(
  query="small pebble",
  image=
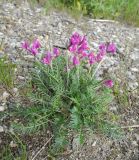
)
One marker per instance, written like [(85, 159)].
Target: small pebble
[(21, 77), (13, 145), (15, 90), (1, 129), (5, 96), (94, 143), (2, 108)]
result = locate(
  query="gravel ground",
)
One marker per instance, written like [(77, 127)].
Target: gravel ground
[(19, 22)]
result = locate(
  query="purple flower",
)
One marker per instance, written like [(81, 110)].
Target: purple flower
[(92, 58), (84, 54), (33, 50), (111, 48), (83, 47), (84, 40), (108, 83), (72, 48), (102, 49), (75, 61), (102, 53), (78, 44), (56, 52), (47, 59), (99, 57), (25, 45), (75, 39), (36, 44), (34, 47)]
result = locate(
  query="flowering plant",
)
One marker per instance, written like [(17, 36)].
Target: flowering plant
[(66, 93), (79, 53)]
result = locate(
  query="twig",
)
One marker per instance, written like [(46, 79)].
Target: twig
[(61, 47), (64, 153), (104, 20), (133, 126), (42, 148)]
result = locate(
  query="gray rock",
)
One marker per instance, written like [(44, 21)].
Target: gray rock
[(133, 85), (5, 96), (134, 69), (21, 78), (1, 129), (135, 56), (2, 108)]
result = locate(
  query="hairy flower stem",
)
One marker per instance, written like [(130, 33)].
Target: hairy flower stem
[(99, 65), (51, 66), (90, 69), (67, 67), (47, 72), (78, 74)]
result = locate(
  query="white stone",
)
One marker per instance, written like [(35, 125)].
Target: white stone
[(1, 34), (1, 129), (131, 75), (28, 57), (12, 144), (135, 69), (2, 108), (15, 90), (21, 77), (134, 143), (113, 108), (133, 85), (137, 136), (94, 143), (135, 56), (5, 95)]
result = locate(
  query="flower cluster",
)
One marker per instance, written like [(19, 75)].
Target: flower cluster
[(79, 52), (80, 49), (33, 48), (47, 59), (78, 44)]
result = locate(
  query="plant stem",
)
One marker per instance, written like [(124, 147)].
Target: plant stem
[(100, 63), (78, 73), (68, 71)]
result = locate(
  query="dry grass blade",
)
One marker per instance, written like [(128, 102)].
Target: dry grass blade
[(42, 148), (133, 126)]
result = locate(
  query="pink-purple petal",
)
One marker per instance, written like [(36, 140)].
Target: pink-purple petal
[(36, 44), (108, 83), (47, 59), (56, 52), (99, 57), (92, 58), (33, 51), (25, 45), (111, 48)]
